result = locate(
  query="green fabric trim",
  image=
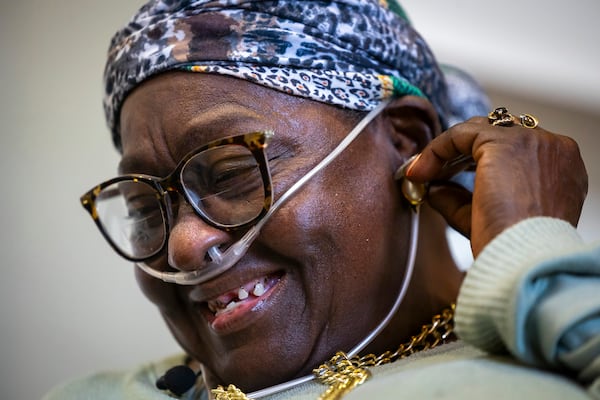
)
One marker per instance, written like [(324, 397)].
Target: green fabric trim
[(403, 87), (394, 6)]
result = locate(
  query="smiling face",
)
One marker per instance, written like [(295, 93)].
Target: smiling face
[(324, 270)]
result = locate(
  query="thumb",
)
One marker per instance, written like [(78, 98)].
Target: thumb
[(453, 202)]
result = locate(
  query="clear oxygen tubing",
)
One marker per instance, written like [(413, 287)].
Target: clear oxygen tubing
[(223, 261)]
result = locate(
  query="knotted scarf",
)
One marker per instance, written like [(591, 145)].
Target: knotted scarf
[(350, 53)]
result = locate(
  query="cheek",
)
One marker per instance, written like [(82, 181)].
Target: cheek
[(345, 242), (337, 226)]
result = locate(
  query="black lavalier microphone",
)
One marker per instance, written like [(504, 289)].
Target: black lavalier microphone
[(178, 380)]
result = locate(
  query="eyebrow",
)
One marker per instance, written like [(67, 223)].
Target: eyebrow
[(216, 122), (212, 123)]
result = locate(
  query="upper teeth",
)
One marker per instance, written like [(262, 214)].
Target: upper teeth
[(259, 289), (242, 294)]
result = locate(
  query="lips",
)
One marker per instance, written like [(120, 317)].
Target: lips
[(232, 310), (247, 292)]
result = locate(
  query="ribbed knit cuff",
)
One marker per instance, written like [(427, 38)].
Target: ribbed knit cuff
[(487, 307)]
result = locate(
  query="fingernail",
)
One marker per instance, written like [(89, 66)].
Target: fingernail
[(415, 158)]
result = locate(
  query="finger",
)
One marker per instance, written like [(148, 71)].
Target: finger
[(453, 202), (448, 153)]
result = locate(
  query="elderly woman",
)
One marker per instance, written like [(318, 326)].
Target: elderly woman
[(270, 199)]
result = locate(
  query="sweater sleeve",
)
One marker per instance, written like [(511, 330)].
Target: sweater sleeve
[(534, 291)]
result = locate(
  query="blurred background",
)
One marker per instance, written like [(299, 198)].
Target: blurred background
[(69, 306)]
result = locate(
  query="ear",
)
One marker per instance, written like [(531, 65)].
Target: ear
[(413, 123)]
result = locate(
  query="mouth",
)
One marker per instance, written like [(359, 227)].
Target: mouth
[(230, 307)]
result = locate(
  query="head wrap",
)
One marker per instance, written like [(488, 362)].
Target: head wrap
[(350, 53)]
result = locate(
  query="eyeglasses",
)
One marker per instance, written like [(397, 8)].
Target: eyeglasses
[(227, 182)]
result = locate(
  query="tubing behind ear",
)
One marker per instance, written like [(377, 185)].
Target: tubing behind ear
[(414, 193)]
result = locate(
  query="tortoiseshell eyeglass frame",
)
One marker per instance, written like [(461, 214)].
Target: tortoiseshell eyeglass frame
[(255, 142)]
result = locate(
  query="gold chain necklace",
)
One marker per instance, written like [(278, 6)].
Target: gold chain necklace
[(342, 374)]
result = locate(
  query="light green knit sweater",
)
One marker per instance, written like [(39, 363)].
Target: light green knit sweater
[(528, 316)]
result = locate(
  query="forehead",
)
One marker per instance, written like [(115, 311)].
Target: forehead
[(174, 113)]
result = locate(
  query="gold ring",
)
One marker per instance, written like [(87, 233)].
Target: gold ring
[(529, 121), (501, 117)]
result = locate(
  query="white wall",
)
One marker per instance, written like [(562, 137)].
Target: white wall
[(68, 304)]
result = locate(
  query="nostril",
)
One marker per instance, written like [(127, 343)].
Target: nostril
[(193, 244), (214, 254)]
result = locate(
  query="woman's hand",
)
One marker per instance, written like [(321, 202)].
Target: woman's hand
[(520, 173)]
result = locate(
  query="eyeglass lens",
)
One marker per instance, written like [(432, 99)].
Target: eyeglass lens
[(132, 217), (224, 185)]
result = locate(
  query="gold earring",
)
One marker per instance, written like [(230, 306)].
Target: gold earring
[(413, 192)]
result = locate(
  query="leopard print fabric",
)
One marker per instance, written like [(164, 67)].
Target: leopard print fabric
[(351, 53)]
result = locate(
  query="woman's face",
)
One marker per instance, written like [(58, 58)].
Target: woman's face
[(330, 261)]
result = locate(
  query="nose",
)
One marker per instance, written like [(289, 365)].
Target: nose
[(190, 240)]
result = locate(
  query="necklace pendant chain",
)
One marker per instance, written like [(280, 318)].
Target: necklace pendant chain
[(232, 393), (342, 374)]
